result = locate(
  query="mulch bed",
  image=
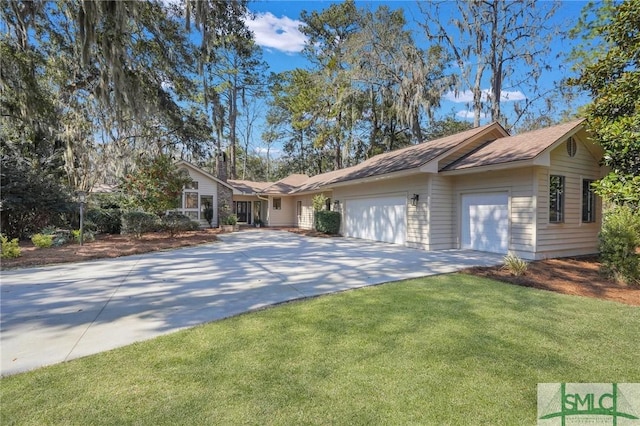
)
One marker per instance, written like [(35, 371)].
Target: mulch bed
[(576, 276)]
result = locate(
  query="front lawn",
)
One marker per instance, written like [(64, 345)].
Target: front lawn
[(451, 349)]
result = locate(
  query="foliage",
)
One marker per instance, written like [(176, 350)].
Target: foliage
[(175, 223), (497, 38), (619, 240), (106, 220), (9, 248), (87, 235), (208, 214), (232, 219), (515, 265), (59, 236), (137, 223), (31, 198), (42, 241), (328, 222), (612, 78), (319, 202), (156, 185)]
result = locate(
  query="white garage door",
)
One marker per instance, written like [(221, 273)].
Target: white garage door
[(485, 222), (377, 219)]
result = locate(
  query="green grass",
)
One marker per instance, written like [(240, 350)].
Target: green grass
[(452, 349)]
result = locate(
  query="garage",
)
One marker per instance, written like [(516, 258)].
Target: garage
[(485, 222), (377, 219)]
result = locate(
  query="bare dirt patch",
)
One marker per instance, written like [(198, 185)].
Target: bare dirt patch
[(576, 276), (107, 246)]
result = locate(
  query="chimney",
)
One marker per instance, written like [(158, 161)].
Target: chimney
[(221, 165)]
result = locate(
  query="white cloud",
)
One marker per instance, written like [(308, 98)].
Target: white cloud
[(467, 96), (469, 114), (277, 33)]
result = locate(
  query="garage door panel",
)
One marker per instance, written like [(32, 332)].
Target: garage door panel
[(485, 222), (377, 219)]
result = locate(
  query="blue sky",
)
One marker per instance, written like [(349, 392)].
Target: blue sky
[(276, 29)]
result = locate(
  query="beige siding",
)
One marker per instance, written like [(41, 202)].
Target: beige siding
[(442, 214), (417, 217), (305, 219), (572, 237), (206, 186), (286, 216), (518, 183)]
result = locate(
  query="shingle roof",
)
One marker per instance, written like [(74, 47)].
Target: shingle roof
[(249, 187), (407, 158), (525, 146), (286, 185)]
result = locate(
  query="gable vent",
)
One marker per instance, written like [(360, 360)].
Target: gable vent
[(572, 147)]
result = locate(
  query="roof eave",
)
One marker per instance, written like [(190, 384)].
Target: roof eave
[(432, 166), (496, 167)]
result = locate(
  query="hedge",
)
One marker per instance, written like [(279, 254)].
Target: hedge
[(328, 222)]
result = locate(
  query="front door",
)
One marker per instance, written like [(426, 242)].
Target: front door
[(242, 211)]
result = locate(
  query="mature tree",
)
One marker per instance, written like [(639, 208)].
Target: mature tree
[(446, 127), (156, 185), (613, 81), (236, 75), (328, 32), (495, 37), (402, 82)]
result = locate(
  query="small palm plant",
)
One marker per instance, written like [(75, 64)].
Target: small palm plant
[(515, 265)]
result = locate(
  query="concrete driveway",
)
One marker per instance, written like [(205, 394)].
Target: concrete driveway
[(53, 314)]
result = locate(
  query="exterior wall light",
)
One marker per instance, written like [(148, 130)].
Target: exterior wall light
[(414, 199), (336, 204)]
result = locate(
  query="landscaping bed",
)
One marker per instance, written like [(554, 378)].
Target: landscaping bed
[(107, 246), (577, 276)]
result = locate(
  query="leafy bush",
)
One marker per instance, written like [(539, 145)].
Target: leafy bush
[(319, 202), (175, 223), (328, 222), (619, 238), (42, 241), (87, 235), (137, 223), (208, 215), (9, 249), (106, 220), (515, 265), (232, 219)]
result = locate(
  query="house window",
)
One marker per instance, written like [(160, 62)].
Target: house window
[(588, 201), (556, 199), (190, 200), (277, 203), (299, 208), (191, 185)]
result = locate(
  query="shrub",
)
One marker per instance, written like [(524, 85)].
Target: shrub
[(619, 238), (232, 219), (175, 223), (106, 220), (58, 236), (208, 215), (328, 222), (515, 265), (42, 241), (87, 235), (319, 202), (137, 223), (9, 249)]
